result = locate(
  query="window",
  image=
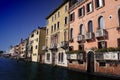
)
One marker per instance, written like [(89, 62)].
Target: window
[(58, 25), (72, 17), (54, 26), (52, 29), (89, 7), (48, 56), (118, 41), (65, 35), (90, 26), (59, 57), (81, 12), (99, 3), (32, 35), (102, 44), (36, 47), (47, 31), (62, 57), (58, 14), (66, 8), (81, 47), (71, 48), (102, 63), (46, 42), (65, 20), (55, 16), (81, 29), (101, 22), (71, 33), (119, 16)]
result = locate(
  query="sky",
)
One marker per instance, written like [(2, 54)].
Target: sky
[(18, 18)]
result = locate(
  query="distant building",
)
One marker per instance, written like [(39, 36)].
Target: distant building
[(21, 49), (11, 51), (36, 41)]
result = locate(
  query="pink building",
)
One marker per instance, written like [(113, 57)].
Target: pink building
[(94, 26)]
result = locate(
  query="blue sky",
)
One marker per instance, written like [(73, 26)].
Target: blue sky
[(19, 17)]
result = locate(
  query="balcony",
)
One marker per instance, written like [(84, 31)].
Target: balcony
[(44, 48), (89, 36), (100, 33), (53, 47), (80, 38), (64, 44), (76, 3), (75, 56), (72, 56)]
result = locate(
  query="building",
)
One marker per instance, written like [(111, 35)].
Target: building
[(94, 28), (36, 41), (16, 51), (11, 51), (21, 49), (25, 49), (57, 36)]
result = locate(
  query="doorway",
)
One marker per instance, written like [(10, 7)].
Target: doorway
[(90, 62)]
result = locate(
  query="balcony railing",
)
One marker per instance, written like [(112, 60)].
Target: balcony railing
[(53, 46), (76, 4), (107, 56), (89, 36), (75, 56), (64, 44), (100, 33), (80, 38)]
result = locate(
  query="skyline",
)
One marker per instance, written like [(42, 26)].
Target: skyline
[(18, 18)]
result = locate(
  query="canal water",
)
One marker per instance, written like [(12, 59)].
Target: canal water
[(13, 70)]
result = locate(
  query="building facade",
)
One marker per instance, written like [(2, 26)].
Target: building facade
[(57, 36), (94, 26), (36, 41), (21, 49)]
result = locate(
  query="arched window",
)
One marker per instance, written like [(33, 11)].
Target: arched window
[(101, 22), (81, 29), (90, 26), (65, 36), (71, 33), (62, 57), (119, 16)]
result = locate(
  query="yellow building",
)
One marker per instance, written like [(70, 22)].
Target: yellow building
[(36, 41), (57, 35)]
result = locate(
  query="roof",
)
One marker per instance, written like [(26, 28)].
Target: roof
[(64, 2)]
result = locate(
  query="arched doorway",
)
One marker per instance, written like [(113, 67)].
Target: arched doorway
[(90, 62)]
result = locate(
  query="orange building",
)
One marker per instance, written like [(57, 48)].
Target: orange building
[(94, 33)]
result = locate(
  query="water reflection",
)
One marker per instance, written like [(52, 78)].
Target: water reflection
[(13, 70)]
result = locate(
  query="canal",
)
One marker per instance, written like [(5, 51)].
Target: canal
[(13, 70)]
